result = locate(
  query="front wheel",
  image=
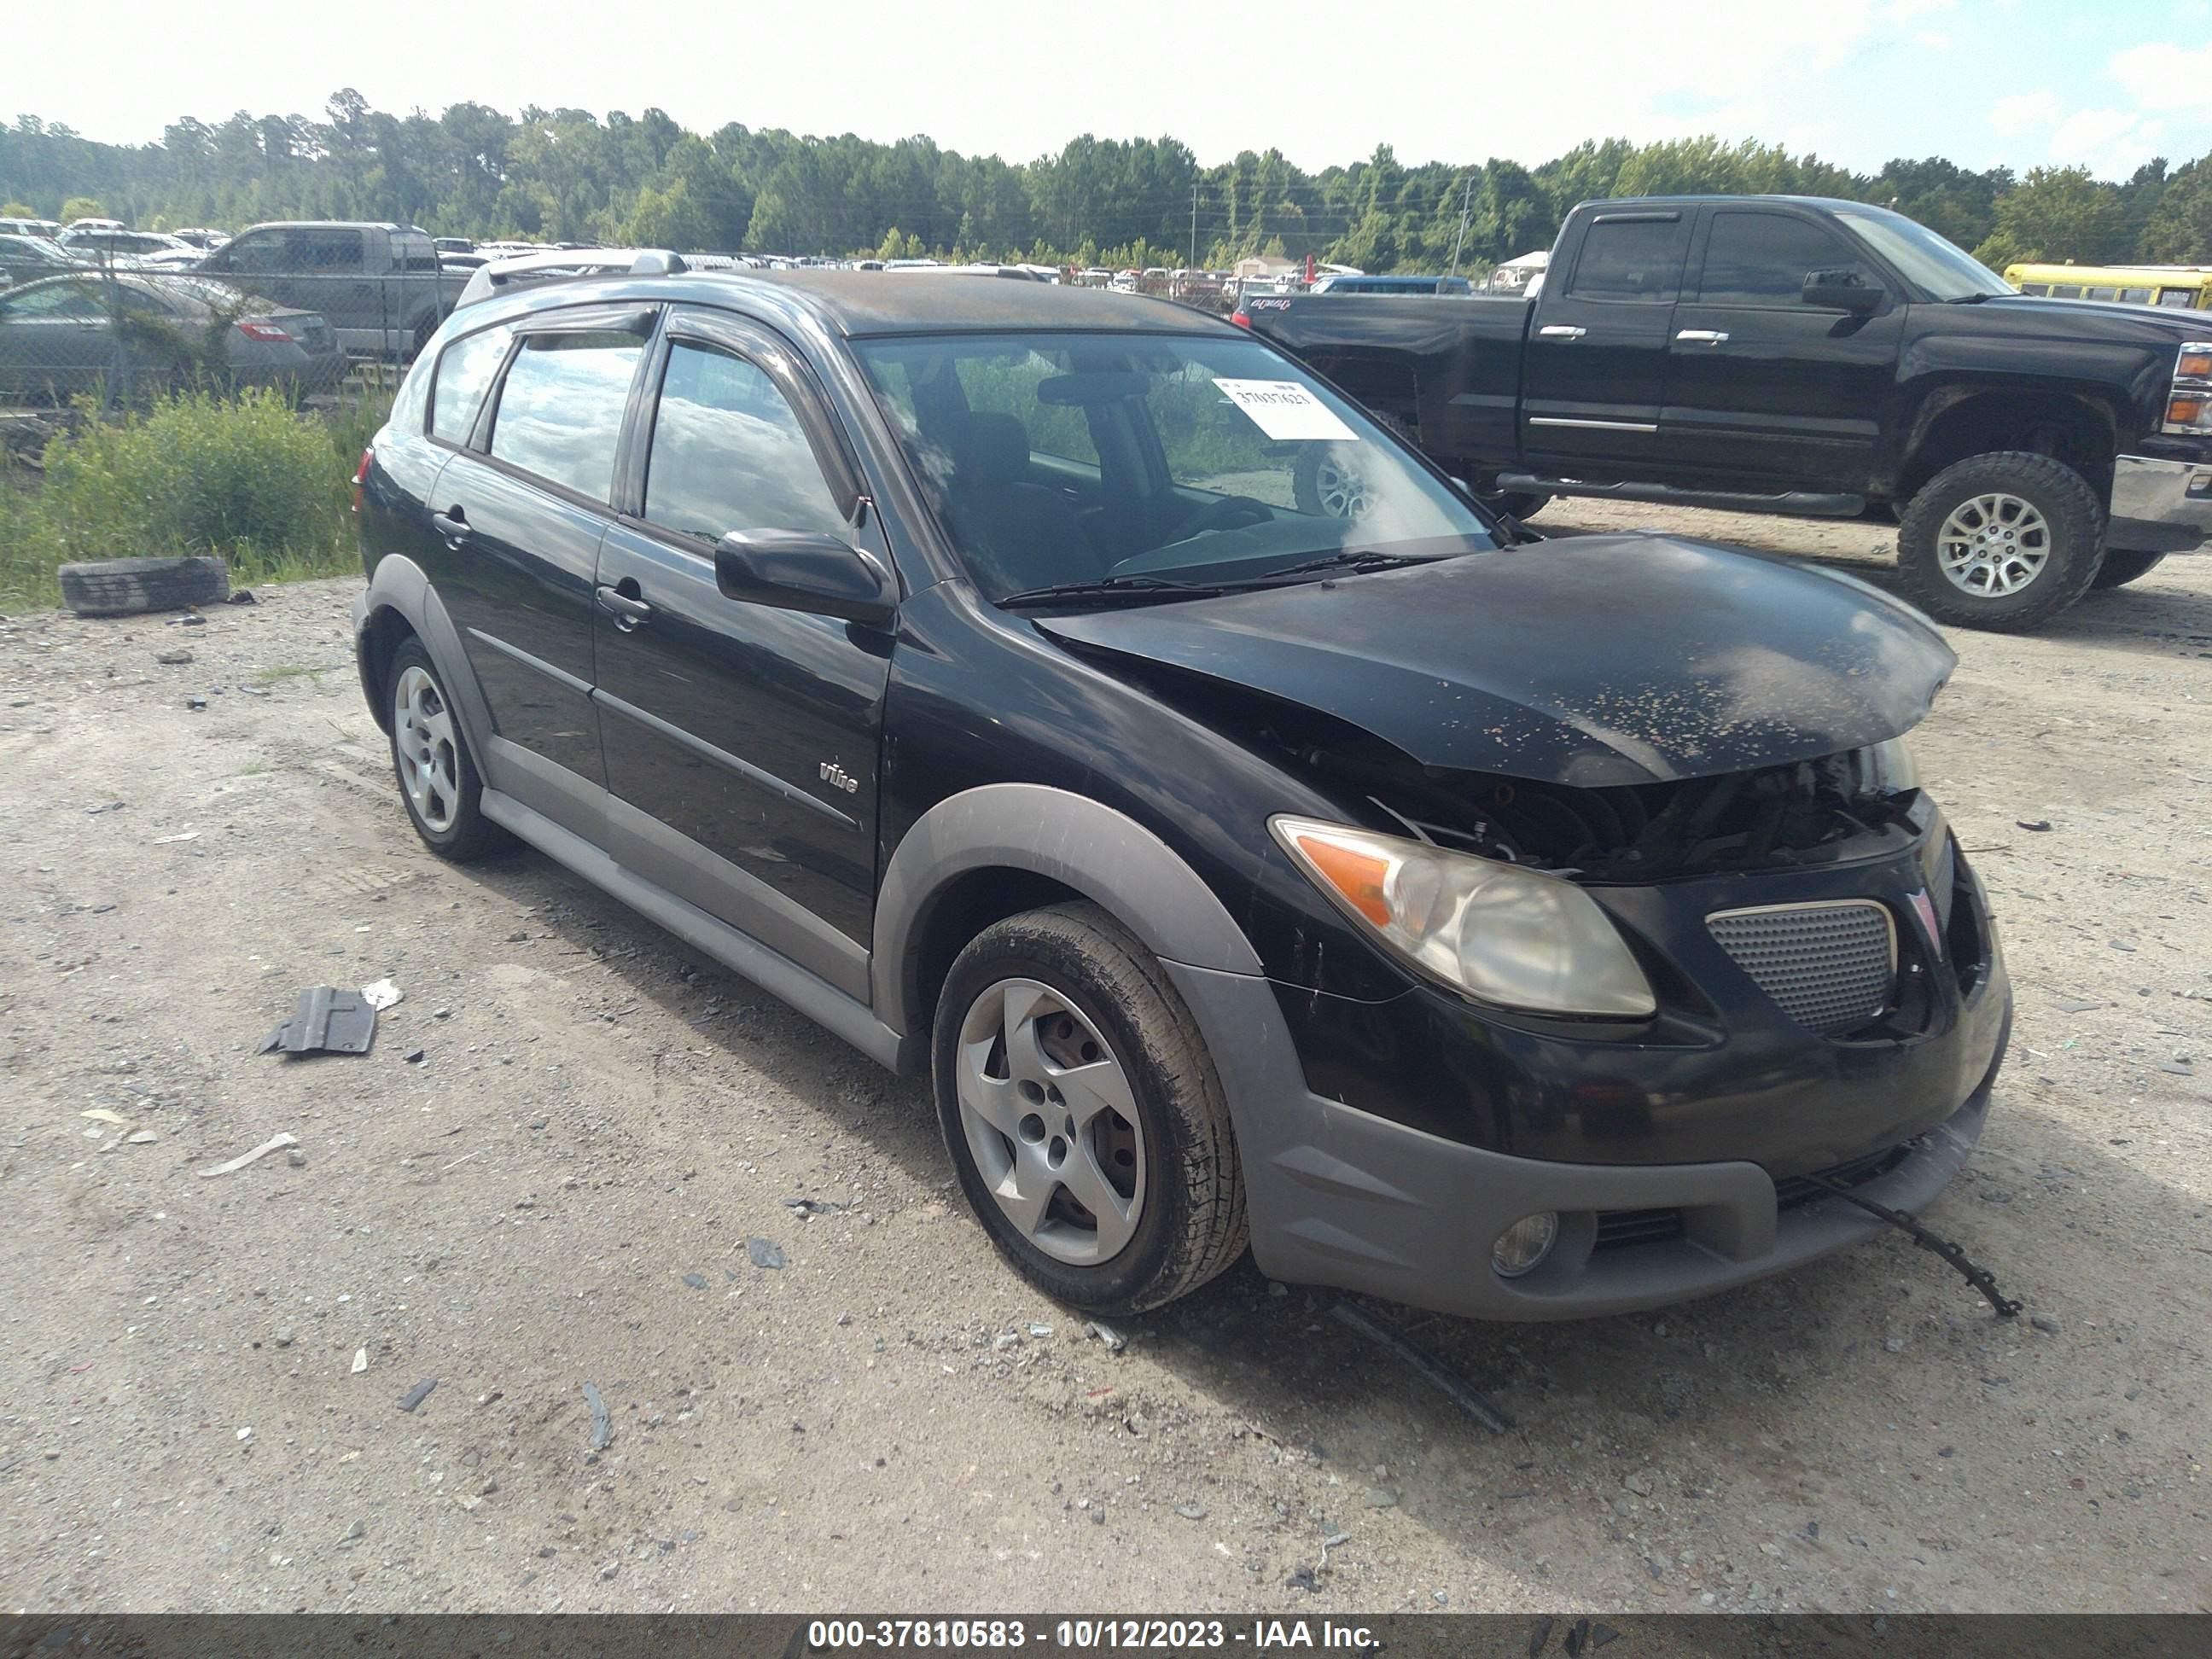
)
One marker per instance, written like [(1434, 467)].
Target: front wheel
[(2003, 541), (1084, 1116), (2120, 569)]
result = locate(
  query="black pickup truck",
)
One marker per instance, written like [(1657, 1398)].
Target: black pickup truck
[(1803, 356)]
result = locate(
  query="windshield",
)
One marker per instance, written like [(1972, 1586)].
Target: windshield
[(1057, 459), (1927, 259)]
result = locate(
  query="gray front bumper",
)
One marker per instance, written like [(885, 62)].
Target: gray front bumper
[(1341, 1197), (2159, 506)]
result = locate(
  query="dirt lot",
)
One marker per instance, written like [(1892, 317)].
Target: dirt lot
[(547, 1172)]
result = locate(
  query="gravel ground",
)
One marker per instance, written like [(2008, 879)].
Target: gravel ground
[(550, 1170)]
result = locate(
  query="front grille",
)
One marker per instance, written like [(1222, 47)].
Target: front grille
[(1618, 1230), (1830, 967)]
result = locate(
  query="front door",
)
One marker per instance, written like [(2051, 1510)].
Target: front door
[(519, 514), (742, 737), (56, 339), (1762, 389), (1596, 366)]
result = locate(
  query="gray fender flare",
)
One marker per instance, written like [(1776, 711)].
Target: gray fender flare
[(1105, 855), (401, 586)]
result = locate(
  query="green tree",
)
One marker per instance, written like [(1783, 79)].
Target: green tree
[(83, 207), (2059, 213)]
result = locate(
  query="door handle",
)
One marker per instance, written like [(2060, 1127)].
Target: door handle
[(628, 612), (1562, 331), (1703, 337), (453, 525)]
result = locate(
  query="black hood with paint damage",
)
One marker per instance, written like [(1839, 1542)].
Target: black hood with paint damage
[(1589, 660)]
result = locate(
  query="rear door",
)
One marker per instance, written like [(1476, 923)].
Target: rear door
[(1596, 358), (55, 338), (741, 740), (519, 514), (1763, 389)]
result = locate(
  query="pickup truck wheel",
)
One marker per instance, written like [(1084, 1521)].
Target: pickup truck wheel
[(1523, 504), (1328, 483), (1084, 1116), (2003, 541), (2120, 569)]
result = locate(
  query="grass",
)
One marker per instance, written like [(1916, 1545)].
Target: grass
[(244, 476)]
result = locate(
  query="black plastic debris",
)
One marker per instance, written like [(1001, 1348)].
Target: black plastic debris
[(241, 596), (814, 1206), (603, 1426), (416, 1395), (327, 1021), (2038, 826)]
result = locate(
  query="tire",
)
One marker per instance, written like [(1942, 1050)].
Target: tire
[(439, 784), (1518, 504), (2119, 568), (2040, 502), (126, 587), (1088, 995), (1326, 482)]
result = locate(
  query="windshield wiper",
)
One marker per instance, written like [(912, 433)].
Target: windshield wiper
[(1355, 559), (1968, 299), (1111, 588)]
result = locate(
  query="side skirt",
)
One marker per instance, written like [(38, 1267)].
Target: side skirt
[(818, 1000)]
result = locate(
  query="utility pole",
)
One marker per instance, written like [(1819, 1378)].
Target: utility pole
[(1465, 196), (1194, 224)]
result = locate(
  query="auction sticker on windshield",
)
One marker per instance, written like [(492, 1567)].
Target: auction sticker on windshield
[(1283, 409)]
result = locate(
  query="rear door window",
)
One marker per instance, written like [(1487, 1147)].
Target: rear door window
[(729, 454), (560, 411), (464, 375), (1630, 259), (327, 250)]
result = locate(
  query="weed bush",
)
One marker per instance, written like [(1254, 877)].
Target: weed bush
[(244, 476)]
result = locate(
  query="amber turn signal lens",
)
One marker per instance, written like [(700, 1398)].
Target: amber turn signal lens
[(2184, 411), (1359, 876), (2195, 365)]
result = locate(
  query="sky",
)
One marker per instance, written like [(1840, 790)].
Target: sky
[(1986, 82)]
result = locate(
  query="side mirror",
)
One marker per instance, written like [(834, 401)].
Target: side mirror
[(1842, 290), (804, 570)]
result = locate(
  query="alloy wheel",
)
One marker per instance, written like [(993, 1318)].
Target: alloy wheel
[(426, 748), (1993, 544), (1051, 1121)]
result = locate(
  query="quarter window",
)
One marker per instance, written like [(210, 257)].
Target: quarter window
[(1630, 259), (560, 411), (464, 375), (1763, 259), (2135, 296), (729, 452), (2179, 298)]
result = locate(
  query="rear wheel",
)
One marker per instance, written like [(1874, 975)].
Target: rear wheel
[(1329, 482), (438, 780), (1083, 1115), (2120, 569), (2003, 541)]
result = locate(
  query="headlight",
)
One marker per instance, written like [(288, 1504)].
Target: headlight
[(1889, 768), (1495, 931)]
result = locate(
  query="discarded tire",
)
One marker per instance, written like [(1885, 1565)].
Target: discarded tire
[(120, 587)]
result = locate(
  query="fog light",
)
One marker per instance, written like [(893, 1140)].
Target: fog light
[(1523, 1246)]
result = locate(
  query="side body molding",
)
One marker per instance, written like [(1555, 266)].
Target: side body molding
[(1105, 854), (400, 585)]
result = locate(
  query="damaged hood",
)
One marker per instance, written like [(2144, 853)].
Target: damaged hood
[(1590, 660)]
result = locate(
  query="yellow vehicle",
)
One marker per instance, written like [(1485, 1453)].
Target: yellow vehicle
[(2183, 288)]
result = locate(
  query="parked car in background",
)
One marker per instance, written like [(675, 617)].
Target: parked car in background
[(46, 230), (1398, 285), (95, 224), (452, 244), (1523, 278), (98, 245), (58, 336), (1020, 273), (23, 257), (1798, 354), (201, 237), (2176, 288), (379, 284), (1525, 932), (533, 269)]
